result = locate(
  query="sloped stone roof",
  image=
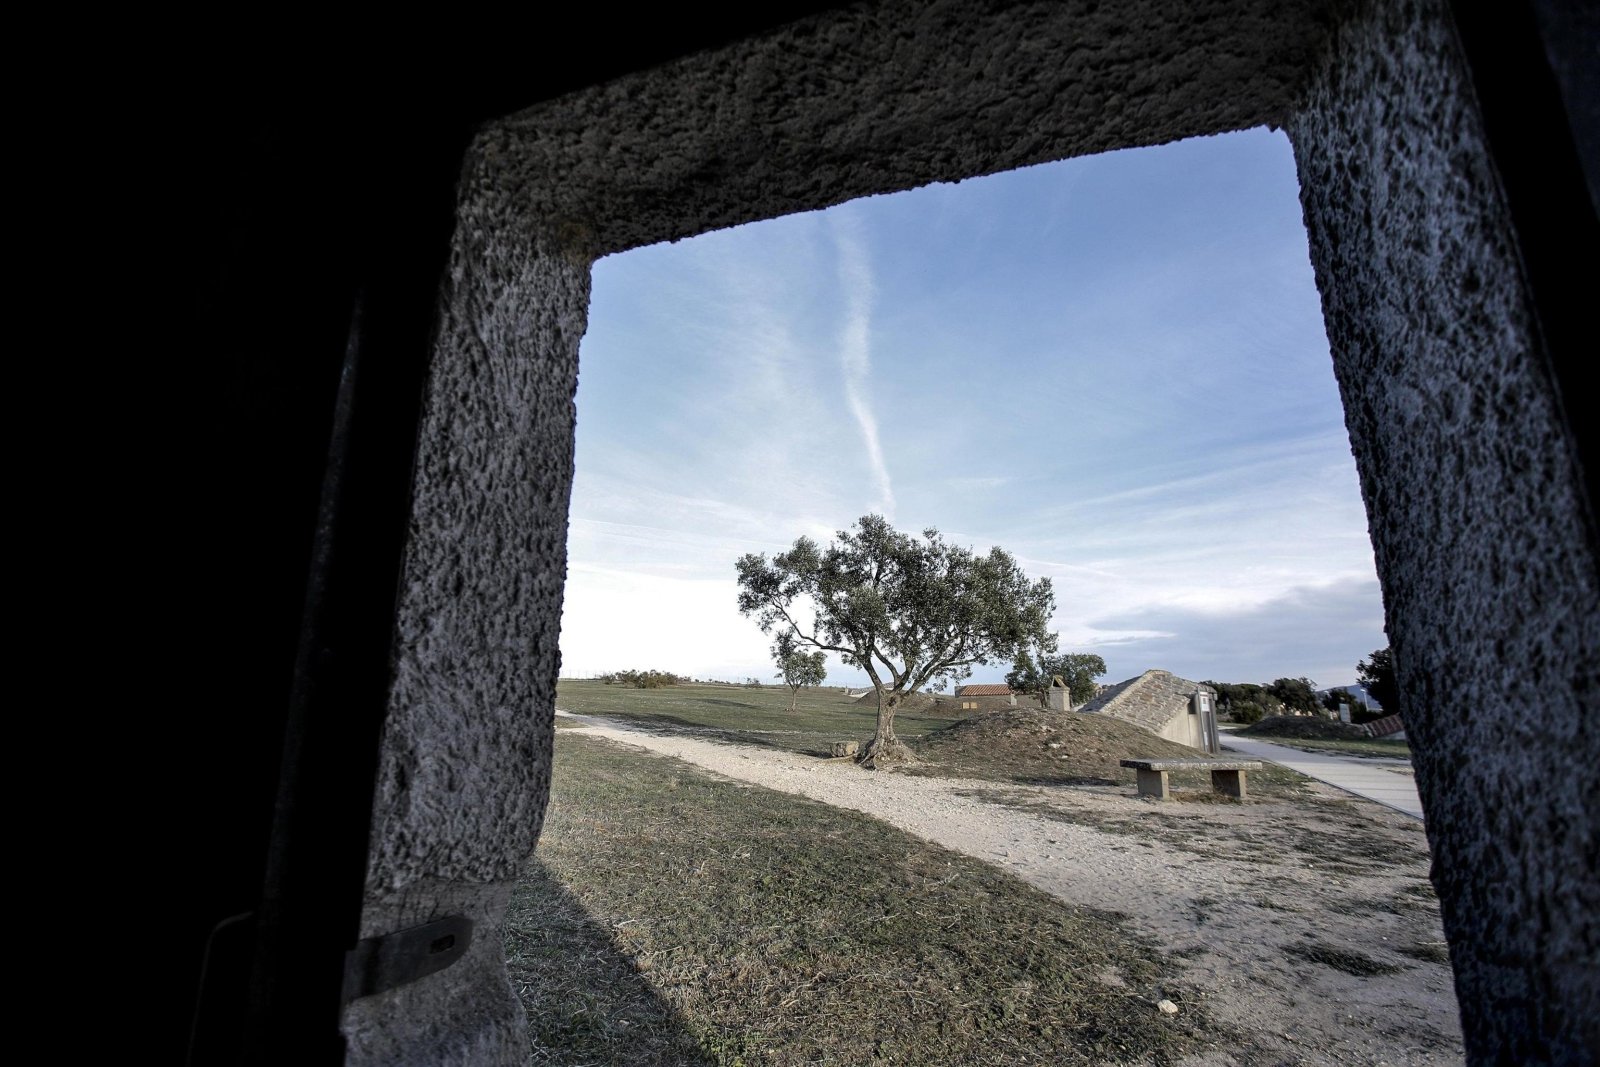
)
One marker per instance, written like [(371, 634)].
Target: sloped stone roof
[(1151, 700)]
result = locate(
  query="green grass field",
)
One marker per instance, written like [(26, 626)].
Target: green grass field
[(750, 716), (674, 917)]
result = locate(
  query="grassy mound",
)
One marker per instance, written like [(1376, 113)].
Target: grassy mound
[(1301, 726), (1039, 747)]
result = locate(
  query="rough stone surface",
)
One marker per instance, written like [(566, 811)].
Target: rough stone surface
[(464, 1014), (1154, 784), (464, 774), (1473, 493), (881, 97)]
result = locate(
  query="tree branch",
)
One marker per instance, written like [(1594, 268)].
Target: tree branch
[(802, 635)]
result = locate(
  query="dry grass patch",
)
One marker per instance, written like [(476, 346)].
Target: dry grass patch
[(676, 917), (1427, 951)]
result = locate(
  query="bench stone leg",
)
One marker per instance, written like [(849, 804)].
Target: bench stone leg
[(1228, 783), (1154, 784)]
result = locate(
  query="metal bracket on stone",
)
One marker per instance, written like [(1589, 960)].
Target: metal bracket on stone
[(378, 964)]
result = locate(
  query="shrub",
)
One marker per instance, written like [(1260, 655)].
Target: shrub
[(1248, 711), (1298, 694)]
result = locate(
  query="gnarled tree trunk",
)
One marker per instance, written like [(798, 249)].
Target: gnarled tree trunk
[(885, 747)]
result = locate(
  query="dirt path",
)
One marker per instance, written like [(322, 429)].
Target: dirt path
[(1307, 926)]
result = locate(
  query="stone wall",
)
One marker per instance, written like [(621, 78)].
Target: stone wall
[(1476, 505), (466, 752)]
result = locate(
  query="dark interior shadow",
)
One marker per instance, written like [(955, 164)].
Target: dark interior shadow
[(585, 1000)]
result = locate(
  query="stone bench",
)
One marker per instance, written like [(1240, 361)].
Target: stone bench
[(1227, 775)]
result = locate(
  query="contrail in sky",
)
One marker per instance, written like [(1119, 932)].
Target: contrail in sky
[(855, 348)]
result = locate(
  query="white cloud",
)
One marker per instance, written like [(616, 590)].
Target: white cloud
[(855, 347), (620, 620), (1318, 632)]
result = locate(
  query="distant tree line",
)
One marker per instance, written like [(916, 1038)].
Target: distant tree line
[(1359, 711), (643, 679), (1248, 702)]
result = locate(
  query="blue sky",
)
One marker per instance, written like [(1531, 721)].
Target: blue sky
[(1113, 367)]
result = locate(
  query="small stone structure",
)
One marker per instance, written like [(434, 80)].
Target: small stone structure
[(985, 697), (1158, 701), (1058, 697)]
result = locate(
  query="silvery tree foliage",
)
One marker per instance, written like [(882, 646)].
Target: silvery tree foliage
[(911, 612)]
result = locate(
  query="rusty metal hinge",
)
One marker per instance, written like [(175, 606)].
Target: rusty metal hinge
[(378, 964)]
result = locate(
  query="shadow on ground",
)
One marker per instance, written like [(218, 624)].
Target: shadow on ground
[(585, 1001)]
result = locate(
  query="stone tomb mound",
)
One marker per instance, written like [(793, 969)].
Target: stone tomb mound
[(1048, 747), (1157, 701)]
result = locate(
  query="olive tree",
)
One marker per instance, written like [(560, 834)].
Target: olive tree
[(1032, 672), (910, 612), (797, 668)]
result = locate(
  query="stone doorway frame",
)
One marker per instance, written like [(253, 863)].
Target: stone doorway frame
[(1449, 355)]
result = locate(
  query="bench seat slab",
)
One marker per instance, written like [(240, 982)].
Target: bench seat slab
[(1193, 764)]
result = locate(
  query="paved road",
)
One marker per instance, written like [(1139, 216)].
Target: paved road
[(1388, 781)]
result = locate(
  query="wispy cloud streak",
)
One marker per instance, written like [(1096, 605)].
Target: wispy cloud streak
[(855, 348)]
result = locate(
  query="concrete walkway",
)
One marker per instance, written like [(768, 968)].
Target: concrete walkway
[(1388, 781)]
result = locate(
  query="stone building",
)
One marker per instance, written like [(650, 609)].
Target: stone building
[(1158, 701), (985, 697)]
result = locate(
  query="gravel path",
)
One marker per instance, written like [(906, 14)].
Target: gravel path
[(1244, 913)]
